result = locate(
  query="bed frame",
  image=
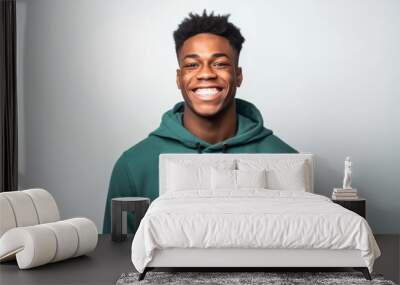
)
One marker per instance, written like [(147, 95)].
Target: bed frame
[(242, 259), (246, 258)]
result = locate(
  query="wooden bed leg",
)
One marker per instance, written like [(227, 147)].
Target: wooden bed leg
[(364, 271), (143, 274)]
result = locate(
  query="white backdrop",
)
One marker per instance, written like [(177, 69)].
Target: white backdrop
[(95, 76)]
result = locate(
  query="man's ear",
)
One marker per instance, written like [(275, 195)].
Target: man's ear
[(178, 76), (239, 76)]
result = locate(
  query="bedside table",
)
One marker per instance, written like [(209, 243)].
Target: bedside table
[(119, 208), (358, 206)]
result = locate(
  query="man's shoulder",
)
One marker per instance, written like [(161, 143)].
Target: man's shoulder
[(274, 144), (137, 159), (144, 148)]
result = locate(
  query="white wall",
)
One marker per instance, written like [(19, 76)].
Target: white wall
[(96, 76)]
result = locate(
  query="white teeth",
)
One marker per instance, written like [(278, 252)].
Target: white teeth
[(207, 91)]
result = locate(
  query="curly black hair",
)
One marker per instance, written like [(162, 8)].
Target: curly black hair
[(218, 25)]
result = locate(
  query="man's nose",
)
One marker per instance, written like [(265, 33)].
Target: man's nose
[(206, 73)]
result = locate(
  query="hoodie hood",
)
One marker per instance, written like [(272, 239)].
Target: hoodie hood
[(250, 128)]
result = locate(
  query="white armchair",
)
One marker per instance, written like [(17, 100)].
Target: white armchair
[(32, 233)]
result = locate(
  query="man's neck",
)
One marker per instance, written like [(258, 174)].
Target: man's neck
[(212, 130)]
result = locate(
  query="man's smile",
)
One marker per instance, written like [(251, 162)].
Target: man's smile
[(207, 93)]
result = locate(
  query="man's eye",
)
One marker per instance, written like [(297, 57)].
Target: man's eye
[(190, 65), (220, 64)]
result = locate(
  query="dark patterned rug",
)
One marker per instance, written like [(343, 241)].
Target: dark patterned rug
[(230, 278)]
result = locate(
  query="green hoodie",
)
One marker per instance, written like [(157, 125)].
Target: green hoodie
[(136, 171)]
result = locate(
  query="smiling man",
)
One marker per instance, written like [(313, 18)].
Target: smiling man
[(210, 120)]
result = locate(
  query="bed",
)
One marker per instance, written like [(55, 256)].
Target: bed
[(247, 210)]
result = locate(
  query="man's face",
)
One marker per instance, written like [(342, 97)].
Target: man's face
[(208, 74)]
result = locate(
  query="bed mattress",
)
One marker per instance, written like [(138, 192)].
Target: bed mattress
[(250, 219)]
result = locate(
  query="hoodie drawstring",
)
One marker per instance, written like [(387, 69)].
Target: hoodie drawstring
[(198, 147), (200, 150)]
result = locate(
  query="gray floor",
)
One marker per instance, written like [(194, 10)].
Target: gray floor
[(110, 260), (389, 262)]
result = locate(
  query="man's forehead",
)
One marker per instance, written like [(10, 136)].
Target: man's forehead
[(206, 45)]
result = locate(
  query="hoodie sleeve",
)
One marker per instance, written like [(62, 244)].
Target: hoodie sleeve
[(120, 186)]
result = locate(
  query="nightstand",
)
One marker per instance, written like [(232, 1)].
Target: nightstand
[(119, 208), (358, 206)]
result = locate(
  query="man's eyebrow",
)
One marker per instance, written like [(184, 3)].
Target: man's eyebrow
[(214, 55), (220, 55)]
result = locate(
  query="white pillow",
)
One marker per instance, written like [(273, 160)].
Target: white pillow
[(187, 175), (282, 174), (223, 179), (251, 178), (227, 179)]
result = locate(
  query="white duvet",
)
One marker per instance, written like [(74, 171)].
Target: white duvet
[(250, 219)]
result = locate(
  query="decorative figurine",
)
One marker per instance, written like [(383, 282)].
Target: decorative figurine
[(347, 174)]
